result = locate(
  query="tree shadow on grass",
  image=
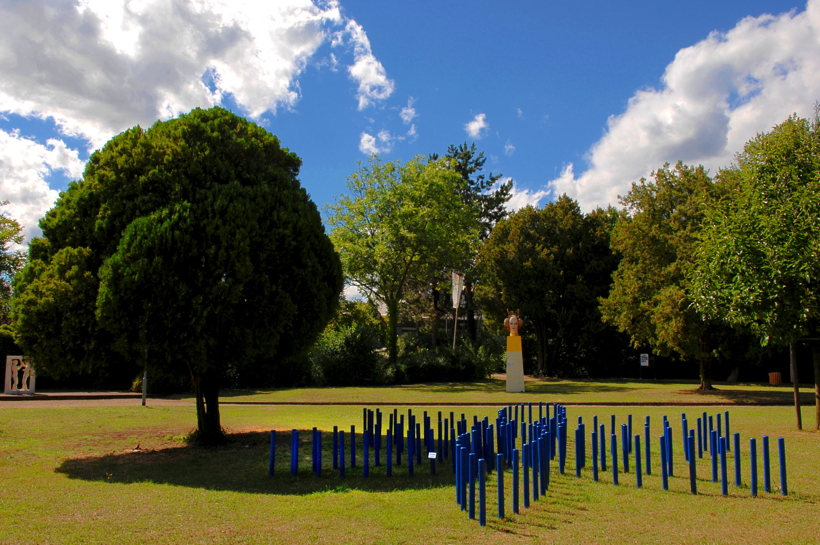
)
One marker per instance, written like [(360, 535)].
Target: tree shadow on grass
[(543, 386), (725, 393), (242, 466)]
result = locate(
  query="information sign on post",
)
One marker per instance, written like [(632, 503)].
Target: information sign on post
[(644, 360)]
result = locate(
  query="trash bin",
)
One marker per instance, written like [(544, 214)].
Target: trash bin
[(774, 378)]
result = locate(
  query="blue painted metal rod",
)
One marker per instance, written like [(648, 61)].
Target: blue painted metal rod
[(767, 475), (738, 481), (700, 438), (411, 447), (781, 448), (638, 454), (352, 446), (577, 452), (594, 442), (341, 453), (726, 419), (669, 454), (724, 477), (753, 466), (629, 433), (664, 465), (614, 454), (499, 469), (625, 446), (471, 476), (516, 463), (294, 452), (525, 466), (482, 492), (714, 453), (366, 463), (535, 452), (318, 453), (602, 437), (389, 453), (648, 447), (272, 452), (545, 463), (335, 447), (465, 475), (693, 473)]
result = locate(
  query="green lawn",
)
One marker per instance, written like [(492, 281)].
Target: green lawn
[(73, 475)]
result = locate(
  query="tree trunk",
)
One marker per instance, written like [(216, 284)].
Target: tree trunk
[(209, 427), (392, 335), (705, 378), (815, 356), (541, 341)]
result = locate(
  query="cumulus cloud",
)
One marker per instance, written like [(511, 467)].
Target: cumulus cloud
[(97, 67), (478, 127), (525, 197), (380, 143), (716, 95), (24, 168), (367, 71), (408, 113)]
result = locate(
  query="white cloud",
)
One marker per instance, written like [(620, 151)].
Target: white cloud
[(509, 149), (367, 71), (519, 112), (477, 128), (24, 168), (97, 67), (716, 95), (381, 143), (408, 113), (525, 197)]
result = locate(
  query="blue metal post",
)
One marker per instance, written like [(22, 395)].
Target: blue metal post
[(693, 475), (411, 447), (516, 462), (366, 468), (352, 446), (724, 477), (714, 452), (669, 462), (648, 447), (272, 452), (614, 454), (664, 465), (471, 476), (294, 452), (535, 452), (602, 437), (525, 451), (767, 476), (341, 453), (594, 442), (577, 452), (625, 446), (638, 454), (700, 438), (781, 448), (753, 466), (629, 433), (499, 469), (726, 419), (389, 453), (482, 491), (335, 447), (737, 459), (465, 475)]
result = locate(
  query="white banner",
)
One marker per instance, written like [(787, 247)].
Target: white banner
[(458, 285)]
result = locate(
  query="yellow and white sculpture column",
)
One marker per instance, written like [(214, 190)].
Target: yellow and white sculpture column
[(515, 355)]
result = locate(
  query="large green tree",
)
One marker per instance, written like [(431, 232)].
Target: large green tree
[(12, 259), (192, 242), (399, 224), (649, 299), (552, 264), (758, 258)]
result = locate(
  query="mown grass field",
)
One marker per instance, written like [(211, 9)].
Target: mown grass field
[(74, 475)]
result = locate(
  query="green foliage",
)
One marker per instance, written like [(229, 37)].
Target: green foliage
[(347, 357), (757, 260), (400, 223), (192, 239), (11, 260), (551, 264)]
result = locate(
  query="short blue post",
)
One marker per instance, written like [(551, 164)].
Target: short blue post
[(378, 439), (724, 477), (693, 472), (664, 465), (753, 466), (389, 453), (711, 437), (465, 475), (614, 454), (577, 452), (594, 442), (341, 453), (767, 475), (482, 491), (545, 467), (318, 453), (625, 442), (499, 470), (737, 459), (726, 419), (516, 463), (669, 462), (781, 448), (535, 452), (684, 428), (602, 437), (561, 448), (272, 452), (700, 439), (294, 452), (335, 447), (525, 451), (638, 454), (629, 433), (471, 475)]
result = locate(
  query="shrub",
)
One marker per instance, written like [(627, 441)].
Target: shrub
[(346, 357)]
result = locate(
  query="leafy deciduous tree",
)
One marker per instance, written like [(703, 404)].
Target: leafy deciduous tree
[(11, 260), (192, 239)]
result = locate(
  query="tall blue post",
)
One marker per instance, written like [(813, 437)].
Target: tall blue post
[(720, 433), (693, 475), (714, 452), (614, 454), (411, 447), (612, 424), (664, 465), (516, 463), (737, 459), (594, 442), (753, 466), (535, 452), (272, 452), (545, 464), (625, 446), (724, 477), (389, 453), (629, 433), (781, 448), (499, 470), (471, 475), (352, 446), (700, 438), (562, 451), (577, 452), (318, 453), (767, 475), (465, 475), (341, 453), (294, 452), (648, 443), (638, 454), (684, 428), (335, 447), (726, 420), (669, 462), (366, 463), (525, 467), (602, 437), (482, 492)]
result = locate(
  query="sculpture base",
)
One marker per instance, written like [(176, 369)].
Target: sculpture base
[(515, 365)]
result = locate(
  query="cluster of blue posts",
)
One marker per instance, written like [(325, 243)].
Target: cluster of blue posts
[(525, 445), (541, 440)]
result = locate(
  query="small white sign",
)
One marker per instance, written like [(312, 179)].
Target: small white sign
[(644, 360), (431, 455)]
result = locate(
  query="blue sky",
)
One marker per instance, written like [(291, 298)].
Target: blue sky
[(575, 97)]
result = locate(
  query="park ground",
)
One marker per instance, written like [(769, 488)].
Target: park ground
[(112, 471)]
